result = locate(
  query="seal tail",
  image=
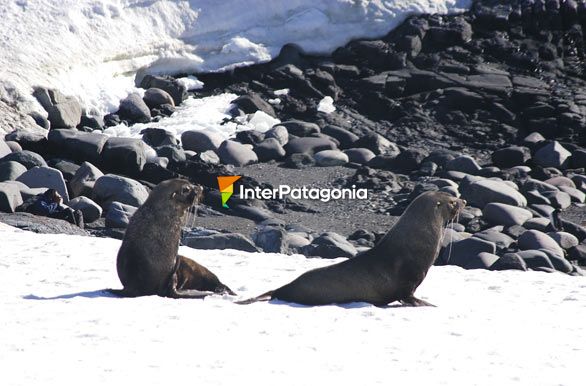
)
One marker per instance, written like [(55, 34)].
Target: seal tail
[(260, 298)]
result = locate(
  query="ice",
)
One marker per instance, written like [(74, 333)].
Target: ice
[(489, 328), (326, 105)]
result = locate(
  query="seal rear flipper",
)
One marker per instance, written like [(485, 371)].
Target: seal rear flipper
[(412, 301), (260, 298), (189, 294)]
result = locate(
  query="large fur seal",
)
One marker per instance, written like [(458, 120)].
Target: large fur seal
[(147, 261), (390, 271)]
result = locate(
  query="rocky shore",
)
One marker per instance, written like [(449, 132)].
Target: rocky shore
[(488, 105)]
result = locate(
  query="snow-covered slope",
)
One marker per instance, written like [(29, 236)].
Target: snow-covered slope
[(92, 48), (490, 328)]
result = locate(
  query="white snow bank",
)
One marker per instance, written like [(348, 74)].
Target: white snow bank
[(490, 328), (92, 48)]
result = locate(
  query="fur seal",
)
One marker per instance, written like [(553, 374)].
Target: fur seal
[(390, 271), (147, 262)]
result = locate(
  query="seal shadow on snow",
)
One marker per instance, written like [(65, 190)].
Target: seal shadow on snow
[(84, 294)]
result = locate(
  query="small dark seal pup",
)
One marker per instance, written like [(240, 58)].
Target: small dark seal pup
[(390, 271), (147, 261)]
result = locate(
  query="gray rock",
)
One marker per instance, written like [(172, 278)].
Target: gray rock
[(330, 158), (82, 183), (90, 210), (252, 103), (300, 128), (560, 181), (509, 261), (464, 164), (26, 158), (483, 260), (251, 212), (118, 215), (280, 133), (173, 153), (110, 188), (552, 154), (271, 239), (575, 194), (237, 154), (501, 240), (296, 241), (482, 192), (536, 259), (10, 197), (308, 145), (359, 155), (209, 157), (14, 146), (299, 161), (38, 224), (169, 84), (4, 149), (377, 144), (511, 156), (345, 137), (466, 250), (451, 236), (45, 177), (533, 239), (503, 214), (269, 149), (155, 137), (85, 146), (11, 170), (155, 97), (329, 245), (133, 109), (537, 223), (64, 112), (201, 140), (220, 241), (564, 239), (558, 199), (124, 155)]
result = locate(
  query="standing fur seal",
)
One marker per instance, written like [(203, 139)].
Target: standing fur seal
[(147, 261), (390, 271)]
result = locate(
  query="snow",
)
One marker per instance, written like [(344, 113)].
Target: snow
[(326, 105), (59, 328), (92, 49)]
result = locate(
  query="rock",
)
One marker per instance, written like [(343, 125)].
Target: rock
[(504, 214), (299, 161), (85, 146), (91, 122), (10, 197), (560, 200), (124, 155), (483, 260), (560, 181), (278, 132), (538, 223), (359, 155), (82, 183), (345, 137), (578, 159), (174, 153), (234, 153), (118, 215), (330, 158), (26, 158), (308, 145), (271, 239), (158, 137), (110, 188), (45, 177), (295, 241), (553, 154), (329, 245), (90, 210), (408, 161), (511, 156), (155, 97), (269, 149), (133, 109), (465, 250), (509, 261), (64, 112), (220, 241), (501, 240), (4, 149), (559, 262), (251, 212), (564, 239), (11, 170), (536, 259), (252, 103), (533, 239), (301, 128), (575, 194), (249, 137), (209, 157), (464, 164), (14, 146), (201, 140), (377, 144), (172, 86), (482, 192)]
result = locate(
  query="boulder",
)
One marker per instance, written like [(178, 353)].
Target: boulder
[(172, 86), (155, 97), (330, 158), (90, 210), (377, 144), (509, 261), (4, 149), (300, 128), (252, 103), (359, 155), (10, 197), (271, 239), (345, 137), (536, 259), (269, 149), (220, 241), (26, 158), (329, 245), (463, 252), (82, 183), (118, 215), (201, 140), (11, 170), (278, 132), (133, 109), (45, 177), (110, 188), (511, 156), (503, 214), (237, 154), (553, 154), (308, 145), (483, 260), (464, 164), (533, 239), (155, 137), (124, 155), (564, 239), (64, 112), (482, 192)]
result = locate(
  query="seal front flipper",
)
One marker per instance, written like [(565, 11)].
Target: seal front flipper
[(412, 301), (260, 298)]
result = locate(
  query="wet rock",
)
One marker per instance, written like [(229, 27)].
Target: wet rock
[(252, 103), (171, 85), (464, 164), (64, 112), (345, 137)]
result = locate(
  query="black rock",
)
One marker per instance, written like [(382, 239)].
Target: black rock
[(26, 158), (158, 137), (509, 261), (252, 103), (124, 155), (172, 86), (133, 109)]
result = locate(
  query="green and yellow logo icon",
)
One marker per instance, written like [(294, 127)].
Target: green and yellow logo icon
[(226, 184)]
